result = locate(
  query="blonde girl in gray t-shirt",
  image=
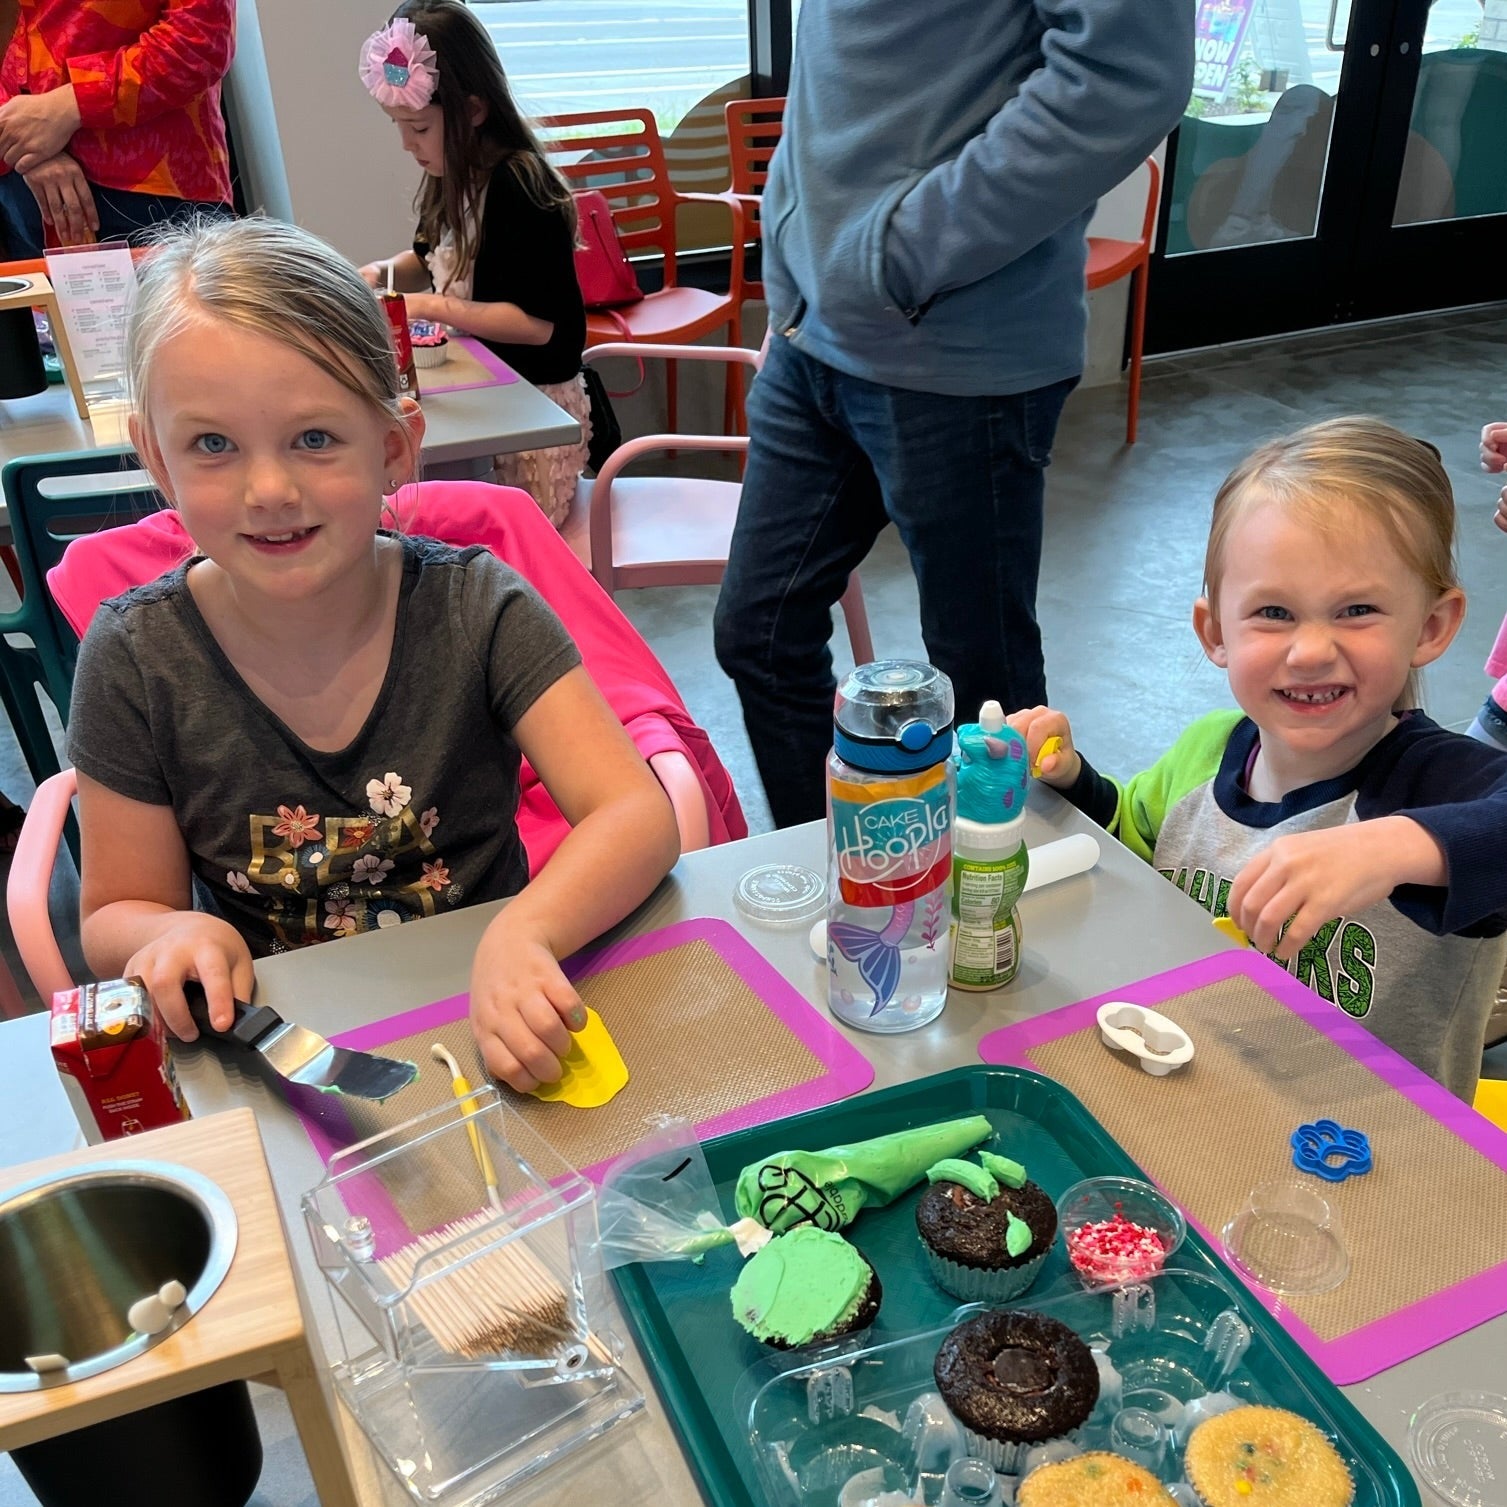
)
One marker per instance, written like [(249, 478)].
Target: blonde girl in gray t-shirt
[(316, 721)]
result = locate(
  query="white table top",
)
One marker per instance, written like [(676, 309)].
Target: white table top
[(1081, 937)]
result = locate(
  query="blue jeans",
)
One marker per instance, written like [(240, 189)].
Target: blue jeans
[(832, 459), (121, 213)]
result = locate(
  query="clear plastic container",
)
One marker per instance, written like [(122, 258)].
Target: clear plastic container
[(781, 894), (1173, 1349), (1101, 1200), (1458, 1441), (1287, 1237), (478, 1340)]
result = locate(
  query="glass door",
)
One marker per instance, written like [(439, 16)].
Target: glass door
[(1338, 160)]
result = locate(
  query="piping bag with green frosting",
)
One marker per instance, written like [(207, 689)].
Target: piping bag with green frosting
[(829, 1188)]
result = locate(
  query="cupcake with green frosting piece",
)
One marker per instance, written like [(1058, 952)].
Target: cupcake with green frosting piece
[(805, 1287), (986, 1227)]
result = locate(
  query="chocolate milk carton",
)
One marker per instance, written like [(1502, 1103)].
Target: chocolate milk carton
[(110, 1039)]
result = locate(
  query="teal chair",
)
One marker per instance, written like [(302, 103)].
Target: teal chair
[(53, 499)]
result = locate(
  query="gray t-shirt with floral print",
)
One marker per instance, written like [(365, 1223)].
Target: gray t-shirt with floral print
[(294, 845)]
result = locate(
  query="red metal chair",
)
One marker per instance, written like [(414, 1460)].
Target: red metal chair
[(1110, 260), (621, 155)]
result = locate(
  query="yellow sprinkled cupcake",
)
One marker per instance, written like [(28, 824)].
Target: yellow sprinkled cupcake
[(1095, 1480), (1265, 1457)]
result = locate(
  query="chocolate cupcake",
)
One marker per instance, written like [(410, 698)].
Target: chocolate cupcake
[(1265, 1457), (805, 1287), (986, 1230), (1093, 1480), (1015, 1378)]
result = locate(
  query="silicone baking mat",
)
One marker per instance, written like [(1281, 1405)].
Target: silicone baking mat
[(1426, 1229), (707, 1028), (470, 364)]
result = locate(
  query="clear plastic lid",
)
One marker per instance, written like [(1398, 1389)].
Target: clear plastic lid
[(1288, 1239), (1458, 1441), (781, 894), (879, 701)]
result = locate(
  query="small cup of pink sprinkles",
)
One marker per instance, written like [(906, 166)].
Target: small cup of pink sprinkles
[(1118, 1229)]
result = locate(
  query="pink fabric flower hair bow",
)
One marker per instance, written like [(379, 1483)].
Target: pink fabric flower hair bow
[(399, 67)]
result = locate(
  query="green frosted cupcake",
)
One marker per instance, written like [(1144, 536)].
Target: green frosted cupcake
[(804, 1288)]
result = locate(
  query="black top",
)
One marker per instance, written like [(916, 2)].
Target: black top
[(526, 256)]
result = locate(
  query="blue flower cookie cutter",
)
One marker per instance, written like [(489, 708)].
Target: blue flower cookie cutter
[(1330, 1150)]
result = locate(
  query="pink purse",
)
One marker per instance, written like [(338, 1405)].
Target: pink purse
[(602, 267)]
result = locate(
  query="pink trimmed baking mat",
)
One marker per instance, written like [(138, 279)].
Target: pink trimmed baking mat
[(470, 364), (1426, 1229), (707, 1027)]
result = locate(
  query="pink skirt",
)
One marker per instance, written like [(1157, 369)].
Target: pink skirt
[(550, 476)]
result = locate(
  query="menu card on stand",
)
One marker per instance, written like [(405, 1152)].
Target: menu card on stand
[(95, 288)]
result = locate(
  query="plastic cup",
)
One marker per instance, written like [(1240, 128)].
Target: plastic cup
[(1101, 1201), (1288, 1239), (970, 1483)]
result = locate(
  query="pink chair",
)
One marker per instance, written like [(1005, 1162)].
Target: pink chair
[(634, 531), (509, 523)]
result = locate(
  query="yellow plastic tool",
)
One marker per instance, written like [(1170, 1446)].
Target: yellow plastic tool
[(462, 1091), (1227, 927), (594, 1071), (1047, 749)]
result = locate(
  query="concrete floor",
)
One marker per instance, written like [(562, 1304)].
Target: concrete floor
[(1125, 537)]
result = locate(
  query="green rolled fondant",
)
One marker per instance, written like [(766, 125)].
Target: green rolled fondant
[(952, 1169), (1018, 1236), (828, 1188), (803, 1284), (1011, 1174)]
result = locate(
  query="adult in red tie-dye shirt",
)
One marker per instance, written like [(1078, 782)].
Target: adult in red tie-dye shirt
[(110, 117)]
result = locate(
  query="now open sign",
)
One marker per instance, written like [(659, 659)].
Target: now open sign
[(1219, 31)]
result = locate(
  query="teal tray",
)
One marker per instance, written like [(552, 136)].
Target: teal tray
[(709, 1372)]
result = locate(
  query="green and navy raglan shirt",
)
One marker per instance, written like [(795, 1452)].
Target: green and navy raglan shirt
[(1420, 969)]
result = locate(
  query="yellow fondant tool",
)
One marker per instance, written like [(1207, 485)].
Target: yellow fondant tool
[(1227, 928), (1047, 749), (462, 1091), (592, 1073)]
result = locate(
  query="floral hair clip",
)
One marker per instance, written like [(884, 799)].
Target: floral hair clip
[(399, 67)]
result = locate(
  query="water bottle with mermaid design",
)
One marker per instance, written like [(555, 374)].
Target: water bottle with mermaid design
[(890, 803)]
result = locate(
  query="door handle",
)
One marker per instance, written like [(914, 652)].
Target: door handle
[(1329, 42)]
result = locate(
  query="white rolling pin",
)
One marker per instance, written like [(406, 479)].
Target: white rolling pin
[(1049, 863), (1062, 859)]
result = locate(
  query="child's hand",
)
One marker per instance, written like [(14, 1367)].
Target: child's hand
[(197, 947), (523, 1008), (1312, 877), (1494, 448), (1501, 514), (1060, 767)]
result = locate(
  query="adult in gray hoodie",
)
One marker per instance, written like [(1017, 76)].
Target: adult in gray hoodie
[(924, 229)]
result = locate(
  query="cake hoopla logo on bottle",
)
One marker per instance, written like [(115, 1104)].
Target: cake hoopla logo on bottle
[(890, 808)]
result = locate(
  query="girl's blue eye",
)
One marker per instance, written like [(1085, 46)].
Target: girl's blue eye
[(1272, 614), (316, 439), (212, 444), (1358, 609)]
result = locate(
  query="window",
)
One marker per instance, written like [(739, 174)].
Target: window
[(665, 55)]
